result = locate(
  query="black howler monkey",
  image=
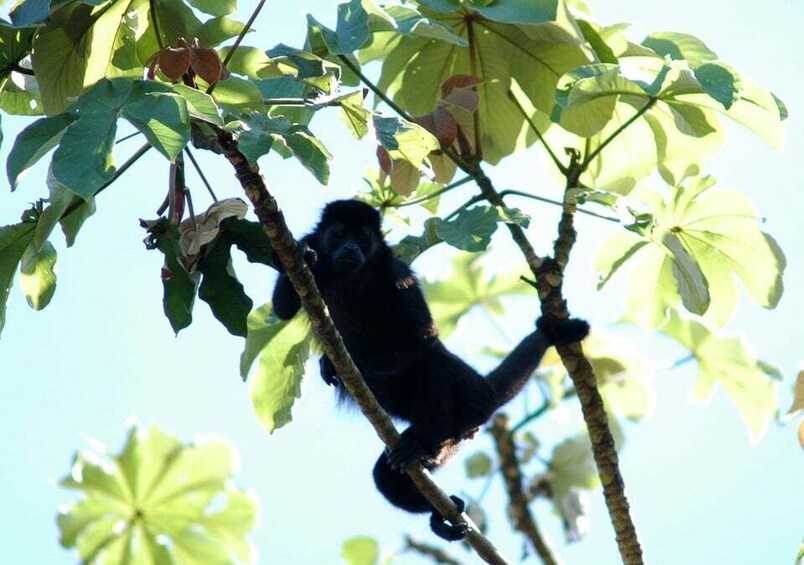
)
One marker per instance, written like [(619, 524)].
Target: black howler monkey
[(378, 307)]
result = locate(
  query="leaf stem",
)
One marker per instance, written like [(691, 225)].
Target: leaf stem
[(155, 22), (504, 193), (556, 161), (648, 105), (432, 195)]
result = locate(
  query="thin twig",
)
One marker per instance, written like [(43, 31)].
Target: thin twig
[(200, 173), (432, 195), (504, 193), (556, 161), (127, 137), (240, 37)]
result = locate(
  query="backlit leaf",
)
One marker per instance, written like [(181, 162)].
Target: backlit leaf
[(159, 501)]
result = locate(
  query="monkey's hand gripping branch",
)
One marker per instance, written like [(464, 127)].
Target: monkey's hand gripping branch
[(290, 254)]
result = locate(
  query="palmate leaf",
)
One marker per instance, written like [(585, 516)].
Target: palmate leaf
[(159, 501), (702, 238), (504, 51), (281, 349), (660, 113), (469, 286), (730, 363), (85, 134)]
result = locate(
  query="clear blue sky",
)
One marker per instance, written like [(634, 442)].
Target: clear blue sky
[(102, 352)]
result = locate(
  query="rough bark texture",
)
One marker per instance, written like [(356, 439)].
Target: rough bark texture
[(289, 253), (518, 502)]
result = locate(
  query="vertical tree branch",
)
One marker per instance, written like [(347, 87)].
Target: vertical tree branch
[(290, 254), (518, 502)]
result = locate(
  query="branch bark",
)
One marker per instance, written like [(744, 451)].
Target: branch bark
[(290, 254), (512, 475)]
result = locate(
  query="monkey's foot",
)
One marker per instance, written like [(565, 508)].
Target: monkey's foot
[(407, 451), (444, 529)]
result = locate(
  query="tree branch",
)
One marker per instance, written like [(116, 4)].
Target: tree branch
[(290, 254), (512, 475)]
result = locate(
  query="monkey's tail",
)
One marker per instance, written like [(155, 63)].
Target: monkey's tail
[(514, 371)]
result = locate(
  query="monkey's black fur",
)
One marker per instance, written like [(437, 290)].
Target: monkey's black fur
[(378, 307)]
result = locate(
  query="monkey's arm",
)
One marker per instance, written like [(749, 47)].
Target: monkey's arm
[(285, 300)]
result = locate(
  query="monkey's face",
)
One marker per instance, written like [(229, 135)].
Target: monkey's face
[(349, 247)]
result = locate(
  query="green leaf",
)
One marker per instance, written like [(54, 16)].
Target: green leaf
[(478, 465), (220, 288), (34, 142), (351, 31), (37, 275), (251, 62), (14, 241), (731, 363), (282, 347), (163, 119), (702, 237), (680, 46), (259, 132), (354, 115), (179, 286), (77, 48), (249, 238), (720, 82), (158, 501), (471, 230), (237, 94), (83, 161), (411, 246), (361, 550), (469, 286), (214, 7), (217, 30)]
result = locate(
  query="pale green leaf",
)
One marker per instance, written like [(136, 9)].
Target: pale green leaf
[(281, 348), (478, 465), (730, 363), (158, 502), (469, 286), (37, 274), (76, 48), (361, 550), (14, 240)]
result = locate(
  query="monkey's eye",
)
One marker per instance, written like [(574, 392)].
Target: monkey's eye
[(364, 234), (338, 232)]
